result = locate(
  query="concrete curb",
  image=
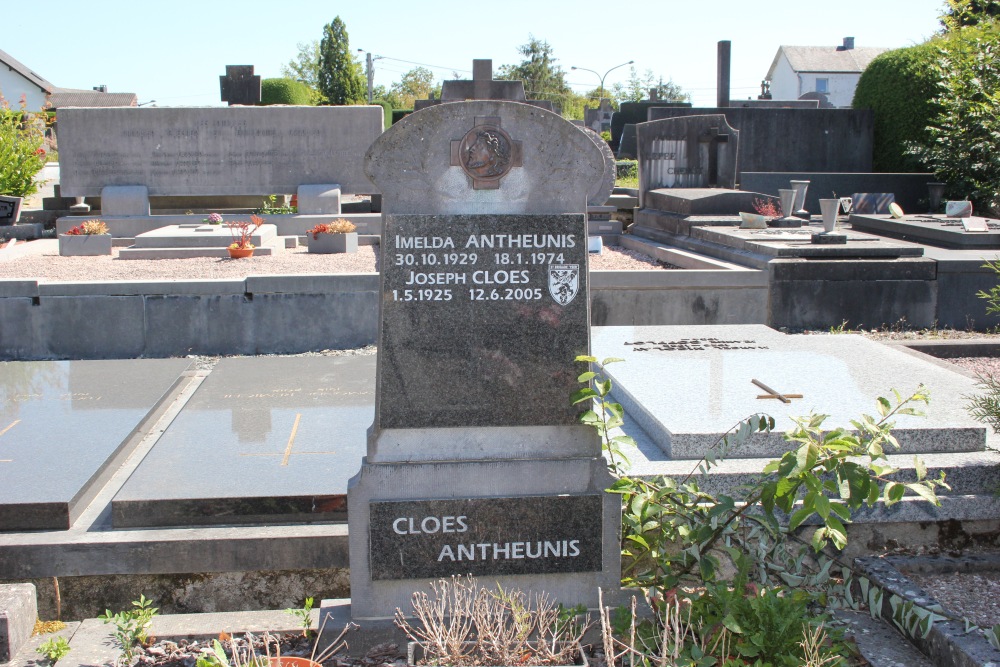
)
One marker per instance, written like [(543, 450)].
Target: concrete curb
[(947, 642)]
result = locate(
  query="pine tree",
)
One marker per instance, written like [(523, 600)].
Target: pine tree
[(340, 78)]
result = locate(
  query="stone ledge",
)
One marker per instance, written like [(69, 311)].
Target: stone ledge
[(18, 611)]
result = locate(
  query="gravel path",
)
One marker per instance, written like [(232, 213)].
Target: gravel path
[(46, 265), (972, 596)]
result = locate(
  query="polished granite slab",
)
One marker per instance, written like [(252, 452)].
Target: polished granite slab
[(65, 426), (932, 229), (688, 385), (263, 439)]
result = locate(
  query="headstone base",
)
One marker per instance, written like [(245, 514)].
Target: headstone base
[(829, 238), (125, 200), (786, 222), (319, 199), (505, 522)]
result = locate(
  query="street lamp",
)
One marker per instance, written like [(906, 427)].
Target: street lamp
[(370, 71), (601, 94)]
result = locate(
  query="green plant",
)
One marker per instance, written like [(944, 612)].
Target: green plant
[(962, 145), (303, 614), (899, 86), (54, 649), (131, 627), (677, 537), (627, 173), (285, 91), (269, 206), (22, 149)]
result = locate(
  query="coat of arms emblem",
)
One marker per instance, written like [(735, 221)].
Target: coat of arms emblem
[(564, 282)]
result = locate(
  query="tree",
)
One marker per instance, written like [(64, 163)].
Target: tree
[(339, 78), (967, 13), (543, 79), (417, 84), (899, 86), (305, 66), (636, 88), (963, 144)]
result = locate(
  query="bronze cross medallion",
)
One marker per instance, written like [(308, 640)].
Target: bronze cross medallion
[(486, 153), (287, 454)]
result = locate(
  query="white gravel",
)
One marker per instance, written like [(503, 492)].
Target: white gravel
[(48, 266)]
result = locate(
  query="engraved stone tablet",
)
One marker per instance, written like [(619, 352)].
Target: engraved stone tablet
[(485, 536)]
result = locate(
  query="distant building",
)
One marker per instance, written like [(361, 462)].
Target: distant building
[(16, 80), (828, 74)]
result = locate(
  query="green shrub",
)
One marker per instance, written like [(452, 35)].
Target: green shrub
[(386, 113), (900, 86), (285, 91), (22, 152)]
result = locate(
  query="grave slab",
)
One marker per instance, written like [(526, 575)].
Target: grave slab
[(935, 230), (275, 441), (63, 427), (688, 385)]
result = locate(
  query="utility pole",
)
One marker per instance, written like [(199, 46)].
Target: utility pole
[(369, 71)]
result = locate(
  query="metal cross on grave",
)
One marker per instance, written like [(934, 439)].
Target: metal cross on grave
[(9, 427), (713, 137), (486, 153), (288, 453)]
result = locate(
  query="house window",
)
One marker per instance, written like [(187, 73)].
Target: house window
[(822, 85)]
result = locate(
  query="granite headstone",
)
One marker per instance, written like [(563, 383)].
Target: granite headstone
[(688, 152), (475, 450)]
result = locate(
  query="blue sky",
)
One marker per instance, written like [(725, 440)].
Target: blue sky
[(173, 52)]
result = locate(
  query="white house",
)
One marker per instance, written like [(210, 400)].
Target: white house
[(17, 80), (827, 73)]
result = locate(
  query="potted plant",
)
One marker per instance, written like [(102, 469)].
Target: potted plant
[(22, 156), (331, 237), (467, 625), (242, 232), (213, 219), (88, 238)]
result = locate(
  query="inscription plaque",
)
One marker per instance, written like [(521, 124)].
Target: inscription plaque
[(481, 315), (421, 539)]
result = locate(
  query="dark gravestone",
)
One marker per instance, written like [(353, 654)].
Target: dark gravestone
[(239, 85), (450, 282), (486, 537), (285, 435), (65, 426), (10, 210), (690, 152), (630, 113), (823, 140), (627, 145), (484, 306)]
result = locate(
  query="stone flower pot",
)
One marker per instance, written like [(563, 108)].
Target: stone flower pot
[(80, 245), (330, 243)]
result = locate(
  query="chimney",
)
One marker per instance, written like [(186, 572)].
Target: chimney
[(848, 44), (725, 51)]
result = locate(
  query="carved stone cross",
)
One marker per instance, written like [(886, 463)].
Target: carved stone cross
[(713, 138)]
